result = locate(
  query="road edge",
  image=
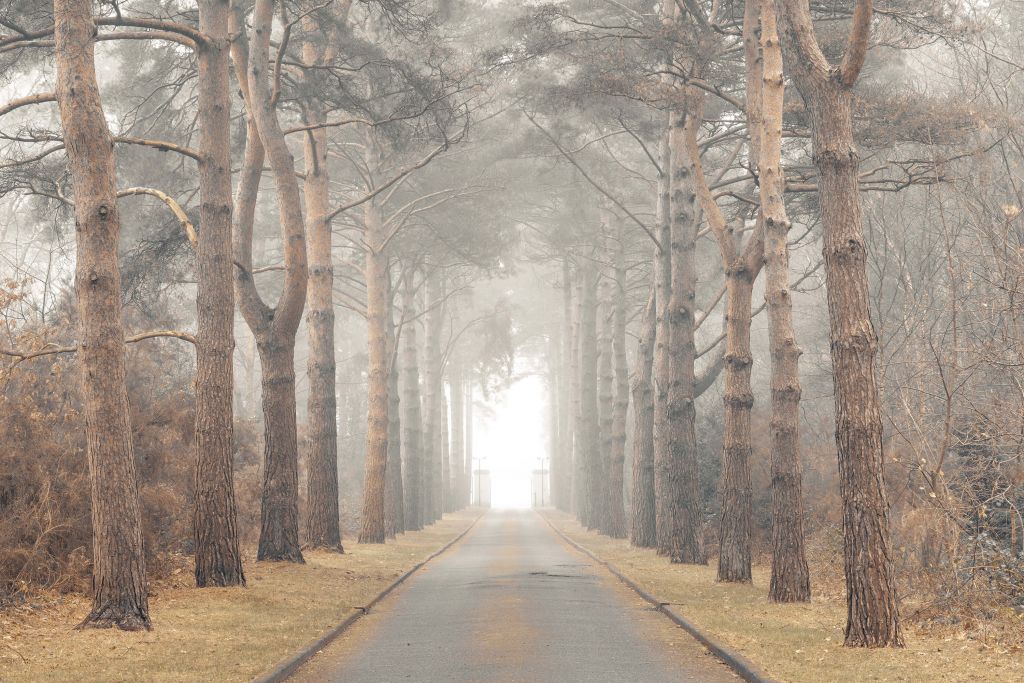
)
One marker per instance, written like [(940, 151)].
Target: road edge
[(289, 665), (738, 663)]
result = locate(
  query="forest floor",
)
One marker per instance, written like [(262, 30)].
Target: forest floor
[(215, 634), (800, 642)]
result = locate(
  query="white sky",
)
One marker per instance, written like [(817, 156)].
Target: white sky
[(512, 439)]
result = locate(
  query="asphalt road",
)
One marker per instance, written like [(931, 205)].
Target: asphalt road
[(512, 602)]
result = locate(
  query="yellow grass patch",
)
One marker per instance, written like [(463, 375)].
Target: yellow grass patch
[(796, 642), (216, 634)]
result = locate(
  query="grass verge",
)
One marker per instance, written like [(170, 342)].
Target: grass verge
[(216, 634), (795, 642)]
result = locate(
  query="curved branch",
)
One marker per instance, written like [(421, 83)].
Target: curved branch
[(26, 101), (51, 350), (179, 213)]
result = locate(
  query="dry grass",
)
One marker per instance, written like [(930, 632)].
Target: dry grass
[(800, 642), (214, 634)]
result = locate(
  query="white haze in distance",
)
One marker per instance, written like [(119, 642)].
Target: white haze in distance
[(510, 436)]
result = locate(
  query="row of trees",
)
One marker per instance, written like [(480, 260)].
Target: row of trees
[(348, 85)]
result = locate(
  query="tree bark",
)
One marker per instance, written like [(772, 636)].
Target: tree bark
[(642, 532), (218, 561), (323, 527), (872, 609), (394, 496), (119, 568), (681, 539), (456, 383), (601, 484), (592, 487), (274, 328), (412, 418), (432, 480), (565, 394), (790, 580), (376, 275), (620, 406), (662, 292)]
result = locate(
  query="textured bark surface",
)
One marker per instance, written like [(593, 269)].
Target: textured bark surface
[(432, 482), (218, 561), (119, 568), (741, 265), (377, 323), (446, 456), (790, 579), (412, 418), (274, 328), (601, 482), (323, 526), (616, 527), (578, 502), (680, 524), (872, 609), (394, 496), (564, 480), (591, 486), (662, 291), (457, 388), (642, 530)]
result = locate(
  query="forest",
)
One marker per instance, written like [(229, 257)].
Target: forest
[(268, 267)]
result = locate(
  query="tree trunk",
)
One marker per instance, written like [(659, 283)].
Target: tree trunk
[(394, 497), (790, 580), (592, 486), (458, 442), (432, 481), (469, 438), (620, 406), (377, 309), (412, 419), (218, 561), (446, 457), (323, 527), (605, 408), (565, 394), (274, 328), (872, 612), (681, 539), (662, 292), (575, 391), (642, 532), (119, 568)]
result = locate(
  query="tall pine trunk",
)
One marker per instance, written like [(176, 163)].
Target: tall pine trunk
[(218, 561), (394, 496), (620, 406), (456, 382), (827, 91), (412, 418), (642, 531), (601, 482), (565, 393), (378, 310), (591, 486), (119, 568), (323, 527), (681, 537), (790, 580), (662, 292)]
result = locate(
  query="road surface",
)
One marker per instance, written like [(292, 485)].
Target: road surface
[(512, 602)]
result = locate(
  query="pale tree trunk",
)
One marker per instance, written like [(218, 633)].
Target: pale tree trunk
[(565, 393), (601, 483), (432, 481), (218, 561), (681, 536), (790, 580), (620, 406), (872, 608), (591, 486), (412, 418), (662, 292), (274, 328), (456, 382), (446, 460), (376, 275), (554, 427), (394, 496), (119, 567), (469, 438), (642, 531), (741, 267), (323, 527)]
